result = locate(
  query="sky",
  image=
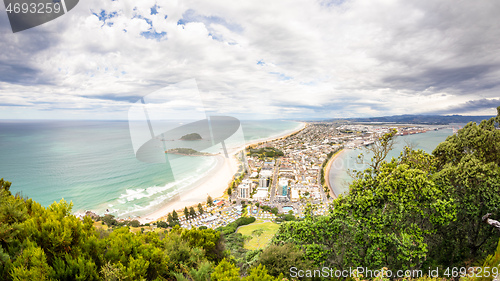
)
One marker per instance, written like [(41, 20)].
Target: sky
[(257, 59)]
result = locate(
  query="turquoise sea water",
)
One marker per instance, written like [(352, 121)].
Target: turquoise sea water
[(339, 173), (93, 164)]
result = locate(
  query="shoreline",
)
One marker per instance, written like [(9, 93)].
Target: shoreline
[(327, 172), (215, 184), (283, 135)]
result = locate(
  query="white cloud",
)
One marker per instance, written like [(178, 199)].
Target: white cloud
[(356, 58)]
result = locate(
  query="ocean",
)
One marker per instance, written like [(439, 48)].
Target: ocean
[(340, 172), (93, 164)]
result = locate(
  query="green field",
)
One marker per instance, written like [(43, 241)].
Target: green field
[(261, 233)]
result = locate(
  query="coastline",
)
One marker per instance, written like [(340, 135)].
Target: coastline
[(215, 184), (327, 172), (283, 135)]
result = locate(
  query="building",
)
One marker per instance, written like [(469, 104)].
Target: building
[(261, 194), (244, 191), (266, 173), (283, 184), (263, 182)]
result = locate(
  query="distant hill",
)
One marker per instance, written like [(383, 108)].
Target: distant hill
[(419, 119)]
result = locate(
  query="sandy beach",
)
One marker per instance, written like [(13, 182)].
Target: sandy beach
[(214, 185), (327, 172)]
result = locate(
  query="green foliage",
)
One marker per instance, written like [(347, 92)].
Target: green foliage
[(200, 209), (285, 217), (206, 239), (162, 224), (490, 266), (469, 172), (395, 211), (210, 201), (192, 212), (225, 271), (387, 219), (31, 264), (109, 220), (134, 223), (259, 273), (266, 208), (266, 152), (231, 228), (52, 244), (279, 258)]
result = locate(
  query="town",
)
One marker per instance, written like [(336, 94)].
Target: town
[(286, 178)]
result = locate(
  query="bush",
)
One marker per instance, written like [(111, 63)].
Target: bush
[(135, 223), (162, 224), (231, 228)]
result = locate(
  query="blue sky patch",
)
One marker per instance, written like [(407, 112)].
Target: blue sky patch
[(154, 9), (103, 16), (152, 34), (191, 16)]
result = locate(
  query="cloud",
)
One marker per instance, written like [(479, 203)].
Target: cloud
[(257, 59), (479, 107), (462, 79)]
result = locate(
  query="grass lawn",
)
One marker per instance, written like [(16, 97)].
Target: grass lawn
[(261, 233)]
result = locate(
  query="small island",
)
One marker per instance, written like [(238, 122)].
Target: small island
[(187, 152), (190, 137)]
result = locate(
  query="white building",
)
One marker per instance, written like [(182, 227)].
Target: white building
[(262, 182), (266, 173), (261, 194), (244, 191)]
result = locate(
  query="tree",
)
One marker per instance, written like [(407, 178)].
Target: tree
[(396, 209), (109, 219), (135, 223), (170, 219), (388, 218), (186, 213), (210, 202), (162, 224), (229, 191), (278, 259), (469, 172), (200, 209), (381, 148), (175, 216), (225, 271), (192, 212)]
